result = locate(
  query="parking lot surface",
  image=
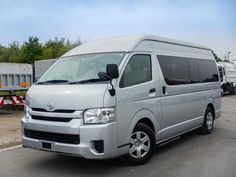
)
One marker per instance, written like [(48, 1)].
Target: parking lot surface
[(10, 127), (192, 155)]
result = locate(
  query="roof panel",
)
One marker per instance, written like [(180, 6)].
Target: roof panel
[(121, 43)]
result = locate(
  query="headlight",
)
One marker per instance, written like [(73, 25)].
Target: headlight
[(100, 115), (27, 100), (26, 107)]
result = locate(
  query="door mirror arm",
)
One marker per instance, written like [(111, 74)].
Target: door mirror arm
[(112, 91), (104, 77), (112, 72)]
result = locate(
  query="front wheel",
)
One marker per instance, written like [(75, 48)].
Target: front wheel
[(142, 145)]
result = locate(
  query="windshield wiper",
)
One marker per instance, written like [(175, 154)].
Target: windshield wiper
[(85, 81), (52, 82)]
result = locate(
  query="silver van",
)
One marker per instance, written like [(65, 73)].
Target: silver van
[(121, 96)]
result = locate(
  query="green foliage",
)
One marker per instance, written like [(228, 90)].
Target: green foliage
[(33, 50), (55, 48), (3, 53)]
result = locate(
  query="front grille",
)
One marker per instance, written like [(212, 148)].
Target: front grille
[(55, 111), (49, 136), (55, 119)]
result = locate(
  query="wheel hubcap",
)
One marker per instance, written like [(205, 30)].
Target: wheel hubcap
[(209, 120), (139, 144)]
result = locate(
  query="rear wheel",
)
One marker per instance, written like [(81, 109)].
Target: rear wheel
[(208, 123), (142, 145), (232, 90)]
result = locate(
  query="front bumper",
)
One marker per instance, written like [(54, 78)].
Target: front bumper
[(107, 133)]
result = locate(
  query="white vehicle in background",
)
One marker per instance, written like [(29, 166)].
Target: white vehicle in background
[(227, 73)]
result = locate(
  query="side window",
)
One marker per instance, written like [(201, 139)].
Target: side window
[(180, 70), (137, 71), (194, 71), (175, 69), (208, 71)]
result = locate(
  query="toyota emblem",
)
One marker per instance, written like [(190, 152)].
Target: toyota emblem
[(50, 107)]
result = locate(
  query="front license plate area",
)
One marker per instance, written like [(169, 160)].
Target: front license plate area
[(46, 145)]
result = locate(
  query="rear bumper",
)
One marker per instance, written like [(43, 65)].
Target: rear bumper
[(89, 134)]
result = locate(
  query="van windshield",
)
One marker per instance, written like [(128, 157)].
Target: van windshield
[(77, 69)]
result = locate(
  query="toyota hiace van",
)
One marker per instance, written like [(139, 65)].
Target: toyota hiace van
[(121, 96)]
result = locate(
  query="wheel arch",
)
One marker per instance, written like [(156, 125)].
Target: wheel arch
[(147, 117), (147, 122), (211, 105)]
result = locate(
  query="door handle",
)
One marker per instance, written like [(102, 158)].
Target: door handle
[(164, 90), (152, 90)]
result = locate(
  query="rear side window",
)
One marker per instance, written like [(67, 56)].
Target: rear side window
[(137, 71), (208, 71), (180, 70), (174, 69)]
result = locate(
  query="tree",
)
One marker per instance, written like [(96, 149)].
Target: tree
[(31, 50), (55, 48), (3, 52), (14, 52)]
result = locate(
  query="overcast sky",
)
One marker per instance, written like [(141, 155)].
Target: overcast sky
[(208, 22)]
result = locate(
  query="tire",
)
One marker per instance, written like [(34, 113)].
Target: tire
[(232, 90), (208, 123), (142, 145)]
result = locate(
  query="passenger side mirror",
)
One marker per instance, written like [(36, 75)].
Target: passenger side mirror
[(112, 71)]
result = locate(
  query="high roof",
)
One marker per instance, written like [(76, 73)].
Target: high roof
[(122, 44)]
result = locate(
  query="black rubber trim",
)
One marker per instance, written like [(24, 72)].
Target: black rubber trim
[(55, 111), (123, 145), (53, 119), (51, 136)]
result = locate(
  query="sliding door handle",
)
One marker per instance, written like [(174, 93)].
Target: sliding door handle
[(164, 90)]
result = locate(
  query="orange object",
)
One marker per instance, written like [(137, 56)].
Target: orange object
[(1, 85), (24, 84)]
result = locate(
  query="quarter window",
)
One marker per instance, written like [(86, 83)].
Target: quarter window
[(208, 71), (137, 71)]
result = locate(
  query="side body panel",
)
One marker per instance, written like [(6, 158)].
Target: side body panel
[(183, 106)]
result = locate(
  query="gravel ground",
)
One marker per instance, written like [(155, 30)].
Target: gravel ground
[(10, 127)]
